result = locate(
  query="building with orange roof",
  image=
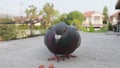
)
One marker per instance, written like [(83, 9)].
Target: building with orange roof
[(94, 18)]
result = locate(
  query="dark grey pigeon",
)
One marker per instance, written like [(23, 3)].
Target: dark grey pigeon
[(62, 40)]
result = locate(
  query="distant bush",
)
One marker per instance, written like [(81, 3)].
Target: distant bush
[(110, 28), (7, 31), (43, 31), (91, 29), (23, 26), (84, 29), (10, 31), (103, 29), (37, 27)]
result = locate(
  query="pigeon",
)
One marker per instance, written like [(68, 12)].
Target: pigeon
[(62, 40)]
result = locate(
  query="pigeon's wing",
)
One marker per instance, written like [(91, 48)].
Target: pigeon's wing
[(49, 39), (75, 37)]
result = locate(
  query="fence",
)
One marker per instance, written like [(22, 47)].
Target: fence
[(12, 30)]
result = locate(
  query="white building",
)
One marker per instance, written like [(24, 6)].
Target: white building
[(94, 18)]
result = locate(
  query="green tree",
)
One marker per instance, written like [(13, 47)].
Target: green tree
[(31, 13), (77, 23), (61, 18), (105, 13), (48, 15), (74, 17)]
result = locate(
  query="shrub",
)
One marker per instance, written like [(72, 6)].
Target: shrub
[(43, 31), (103, 29), (91, 29), (110, 28), (7, 31), (37, 27), (23, 26), (84, 29)]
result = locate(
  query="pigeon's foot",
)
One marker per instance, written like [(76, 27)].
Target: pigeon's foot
[(57, 58), (62, 57), (69, 56)]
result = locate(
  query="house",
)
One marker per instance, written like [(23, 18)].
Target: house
[(114, 18), (94, 18)]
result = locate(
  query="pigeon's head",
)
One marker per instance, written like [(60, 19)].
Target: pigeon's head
[(61, 28)]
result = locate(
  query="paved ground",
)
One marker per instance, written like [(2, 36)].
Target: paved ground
[(97, 50)]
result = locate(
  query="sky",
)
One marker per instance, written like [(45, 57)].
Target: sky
[(17, 7)]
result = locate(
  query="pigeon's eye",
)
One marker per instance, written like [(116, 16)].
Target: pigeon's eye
[(64, 30)]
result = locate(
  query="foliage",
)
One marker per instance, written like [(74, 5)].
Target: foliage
[(105, 13), (18, 31), (7, 31), (23, 26), (37, 27), (48, 14), (31, 14), (22, 30), (77, 24), (103, 29), (91, 29), (84, 29), (43, 31), (61, 18), (75, 15), (110, 28)]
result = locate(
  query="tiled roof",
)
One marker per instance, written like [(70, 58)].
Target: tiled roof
[(115, 14), (88, 13)]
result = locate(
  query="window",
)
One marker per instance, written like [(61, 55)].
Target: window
[(96, 19)]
